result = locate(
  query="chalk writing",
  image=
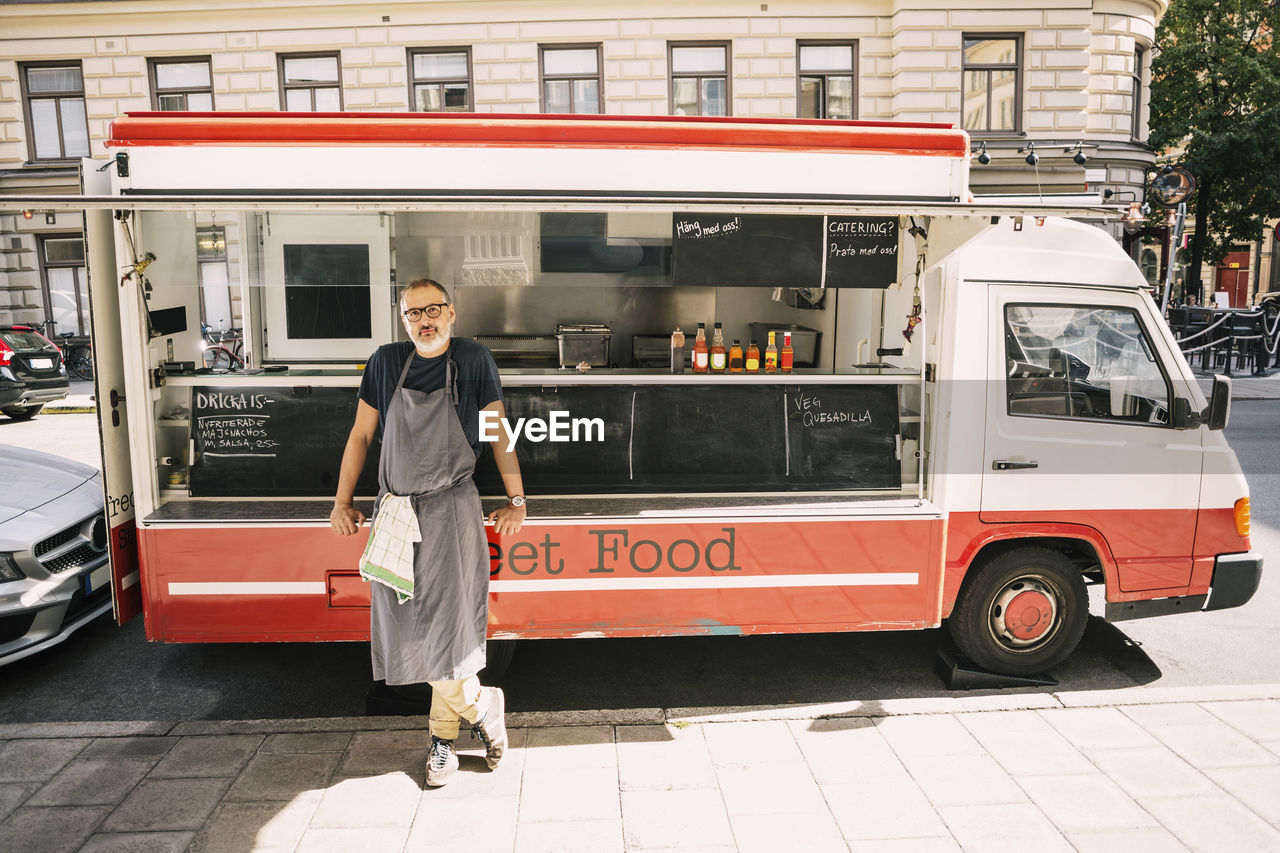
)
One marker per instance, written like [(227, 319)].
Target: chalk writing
[(861, 251), (235, 435), (696, 230)]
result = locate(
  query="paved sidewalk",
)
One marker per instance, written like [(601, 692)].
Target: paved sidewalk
[(1247, 387), (1133, 770)]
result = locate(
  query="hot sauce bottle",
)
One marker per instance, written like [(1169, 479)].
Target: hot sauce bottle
[(677, 351), (700, 350), (771, 355), (717, 350), (735, 357), (787, 355), (753, 358)]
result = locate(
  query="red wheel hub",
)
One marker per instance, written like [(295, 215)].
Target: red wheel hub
[(1028, 615)]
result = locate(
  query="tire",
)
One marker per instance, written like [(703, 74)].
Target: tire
[(22, 413), (217, 359), (80, 362), (1046, 594)]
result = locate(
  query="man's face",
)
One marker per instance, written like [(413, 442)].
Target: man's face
[(430, 335)]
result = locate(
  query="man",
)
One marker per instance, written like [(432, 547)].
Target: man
[(424, 395)]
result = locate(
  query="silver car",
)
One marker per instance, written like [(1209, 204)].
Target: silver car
[(54, 572)]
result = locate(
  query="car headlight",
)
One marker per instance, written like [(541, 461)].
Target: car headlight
[(9, 570)]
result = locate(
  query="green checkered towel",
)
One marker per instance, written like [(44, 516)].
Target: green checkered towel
[(388, 558)]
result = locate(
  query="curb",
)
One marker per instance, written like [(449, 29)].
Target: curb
[(671, 716)]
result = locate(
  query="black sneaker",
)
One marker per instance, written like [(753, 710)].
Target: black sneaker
[(442, 762), (492, 727)]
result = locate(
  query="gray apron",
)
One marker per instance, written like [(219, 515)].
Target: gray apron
[(439, 634)]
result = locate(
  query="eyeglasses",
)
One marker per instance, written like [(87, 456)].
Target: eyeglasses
[(413, 315)]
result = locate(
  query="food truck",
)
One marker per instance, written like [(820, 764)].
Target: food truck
[(983, 414)]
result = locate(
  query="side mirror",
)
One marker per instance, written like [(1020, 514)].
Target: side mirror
[(1183, 416), (1219, 410)]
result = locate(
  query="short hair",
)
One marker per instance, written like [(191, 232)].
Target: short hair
[(425, 282)]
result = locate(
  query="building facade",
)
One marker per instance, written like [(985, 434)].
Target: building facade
[(1053, 96)]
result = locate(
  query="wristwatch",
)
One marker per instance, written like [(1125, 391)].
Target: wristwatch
[(518, 500)]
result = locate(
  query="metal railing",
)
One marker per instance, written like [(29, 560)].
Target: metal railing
[(1248, 337)]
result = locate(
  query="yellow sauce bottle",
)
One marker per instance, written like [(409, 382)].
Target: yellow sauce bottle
[(771, 355)]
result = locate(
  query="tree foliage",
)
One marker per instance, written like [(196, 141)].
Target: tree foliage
[(1215, 100)]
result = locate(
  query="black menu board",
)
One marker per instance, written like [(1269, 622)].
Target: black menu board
[(767, 250), (256, 441), (676, 439), (861, 251), (715, 250)]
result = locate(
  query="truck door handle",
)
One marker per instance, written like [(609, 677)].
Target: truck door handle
[(1010, 464)]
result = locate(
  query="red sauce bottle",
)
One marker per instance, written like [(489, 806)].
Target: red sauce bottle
[(700, 350)]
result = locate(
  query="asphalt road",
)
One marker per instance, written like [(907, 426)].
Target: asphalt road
[(110, 673)]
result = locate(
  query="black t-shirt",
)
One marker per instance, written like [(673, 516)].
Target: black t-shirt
[(478, 381)]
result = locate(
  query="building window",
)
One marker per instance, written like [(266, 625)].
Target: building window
[(440, 80), (311, 82), (1135, 123), (827, 79), (66, 289), (992, 83), (215, 284), (699, 78), (181, 84), (53, 95), (571, 80)]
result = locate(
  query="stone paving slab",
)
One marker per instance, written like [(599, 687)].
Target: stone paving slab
[(1196, 773)]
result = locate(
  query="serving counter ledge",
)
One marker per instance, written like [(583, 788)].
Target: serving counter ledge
[(310, 512), (530, 376)]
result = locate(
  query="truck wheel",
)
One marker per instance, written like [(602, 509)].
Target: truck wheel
[(1022, 613), (22, 413)]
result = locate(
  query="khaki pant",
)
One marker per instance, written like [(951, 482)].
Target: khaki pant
[(452, 701)]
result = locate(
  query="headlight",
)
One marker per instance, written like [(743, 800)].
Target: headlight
[(9, 570)]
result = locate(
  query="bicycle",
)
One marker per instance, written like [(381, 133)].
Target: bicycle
[(223, 350), (77, 356)]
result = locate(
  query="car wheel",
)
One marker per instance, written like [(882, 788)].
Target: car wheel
[(22, 413), (1021, 613)]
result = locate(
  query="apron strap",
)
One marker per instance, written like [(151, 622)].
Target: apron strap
[(404, 372), (451, 378)]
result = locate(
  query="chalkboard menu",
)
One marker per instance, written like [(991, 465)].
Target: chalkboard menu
[(708, 438), (764, 250), (256, 441), (715, 250), (861, 251), (843, 436)]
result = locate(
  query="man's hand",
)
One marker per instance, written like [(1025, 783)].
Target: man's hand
[(508, 519), (345, 519)]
